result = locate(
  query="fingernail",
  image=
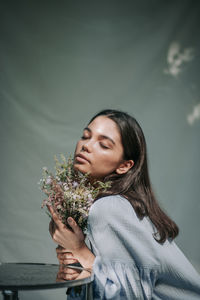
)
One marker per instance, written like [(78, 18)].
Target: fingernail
[(69, 220)]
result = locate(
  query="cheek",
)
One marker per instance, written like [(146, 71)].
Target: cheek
[(103, 166), (108, 160)]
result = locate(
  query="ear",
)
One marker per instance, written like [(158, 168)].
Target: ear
[(125, 167)]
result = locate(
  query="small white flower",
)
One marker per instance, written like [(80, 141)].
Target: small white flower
[(75, 184), (48, 180), (90, 198)]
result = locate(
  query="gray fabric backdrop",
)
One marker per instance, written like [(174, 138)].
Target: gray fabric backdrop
[(63, 61)]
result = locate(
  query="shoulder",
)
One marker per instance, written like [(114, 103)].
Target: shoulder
[(111, 204), (117, 212), (114, 210)]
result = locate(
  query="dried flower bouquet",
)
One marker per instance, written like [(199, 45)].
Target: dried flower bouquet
[(70, 192)]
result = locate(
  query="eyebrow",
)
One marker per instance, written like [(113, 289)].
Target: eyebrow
[(101, 135)]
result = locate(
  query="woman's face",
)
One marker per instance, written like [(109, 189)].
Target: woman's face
[(99, 152)]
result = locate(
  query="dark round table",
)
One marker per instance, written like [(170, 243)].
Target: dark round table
[(34, 276)]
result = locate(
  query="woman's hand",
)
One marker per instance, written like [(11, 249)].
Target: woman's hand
[(66, 273), (71, 240), (65, 257), (70, 273)]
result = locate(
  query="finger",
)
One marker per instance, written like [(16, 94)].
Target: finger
[(59, 279), (55, 217), (60, 275), (65, 255), (70, 271), (69, 276), (61, 250), (69, 261), (66, 258), (72, 223), (51, 227), (66, 276)]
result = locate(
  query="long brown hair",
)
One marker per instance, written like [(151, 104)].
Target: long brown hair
[(135, 185)]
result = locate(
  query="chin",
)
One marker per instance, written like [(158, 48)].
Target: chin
[(80, 168)]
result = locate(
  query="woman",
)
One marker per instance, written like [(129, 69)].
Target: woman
[(132, 254)]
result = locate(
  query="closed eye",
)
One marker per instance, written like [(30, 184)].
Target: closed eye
[(104, 146), (84, 137)]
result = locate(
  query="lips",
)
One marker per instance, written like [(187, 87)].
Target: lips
[(81, 158)]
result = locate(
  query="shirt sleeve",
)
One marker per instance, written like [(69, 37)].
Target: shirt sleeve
[(119, 240)]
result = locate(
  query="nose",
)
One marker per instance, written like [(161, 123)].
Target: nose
[(87, 147)]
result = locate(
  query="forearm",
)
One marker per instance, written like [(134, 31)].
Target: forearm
[(84, 256)]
